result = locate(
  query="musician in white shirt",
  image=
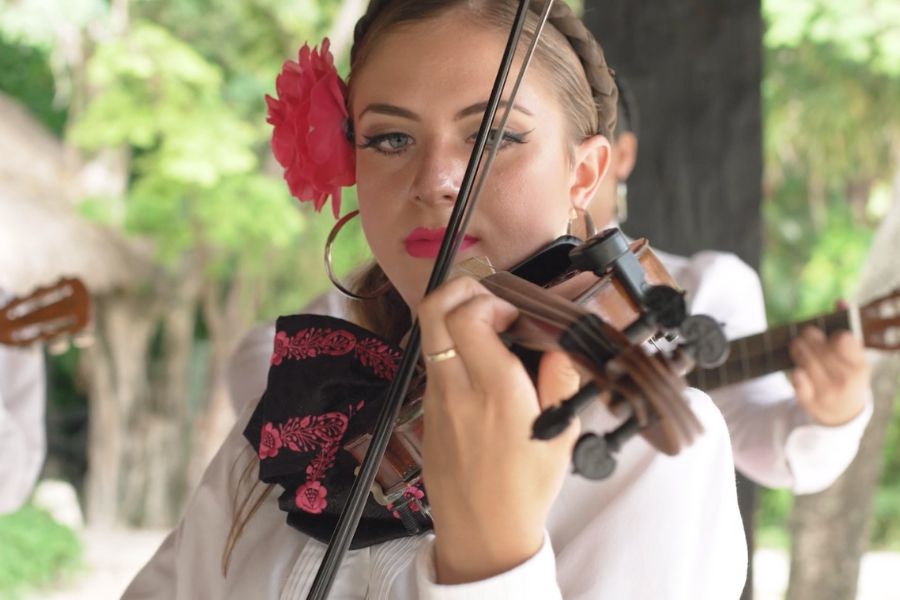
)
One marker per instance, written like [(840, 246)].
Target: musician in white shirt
[(799, 434), (22, 435)]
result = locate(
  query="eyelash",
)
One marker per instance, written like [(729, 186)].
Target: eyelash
[(374, 141)]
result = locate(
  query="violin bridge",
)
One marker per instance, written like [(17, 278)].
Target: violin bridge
[(478, 267)]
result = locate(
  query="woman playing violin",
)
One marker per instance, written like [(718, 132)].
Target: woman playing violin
[(509, 519)]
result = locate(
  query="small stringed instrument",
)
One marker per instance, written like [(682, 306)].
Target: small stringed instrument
[(876, 325), (48, 313)]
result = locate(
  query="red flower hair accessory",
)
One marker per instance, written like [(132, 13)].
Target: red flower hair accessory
[(310, 118)]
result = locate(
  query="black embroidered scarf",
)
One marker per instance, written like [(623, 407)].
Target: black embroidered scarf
[(326, 382)]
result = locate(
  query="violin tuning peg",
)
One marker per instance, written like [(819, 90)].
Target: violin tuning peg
[(704, 340), (554, 420), (592, 457), (667, 305)]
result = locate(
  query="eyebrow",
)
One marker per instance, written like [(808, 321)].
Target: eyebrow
[(397, 111), (482, 106)]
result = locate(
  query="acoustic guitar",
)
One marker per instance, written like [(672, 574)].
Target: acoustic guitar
[(876, 325), (49, 313)]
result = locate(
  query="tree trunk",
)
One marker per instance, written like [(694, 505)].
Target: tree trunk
[(118, 384), (139, 418), (226, 317), (829, 530), (162, 429), (695, 68)]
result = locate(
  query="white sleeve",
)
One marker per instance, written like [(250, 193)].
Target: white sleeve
[(22, 437), (534, 578), (775, 443)]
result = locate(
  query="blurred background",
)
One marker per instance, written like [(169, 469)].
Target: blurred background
[(134, 155)]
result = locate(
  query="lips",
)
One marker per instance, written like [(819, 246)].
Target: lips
[(425, 243)]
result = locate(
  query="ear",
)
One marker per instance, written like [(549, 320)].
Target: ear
[(625, 155), (591, 160)]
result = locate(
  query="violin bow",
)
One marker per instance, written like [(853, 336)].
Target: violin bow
[(463, 208)]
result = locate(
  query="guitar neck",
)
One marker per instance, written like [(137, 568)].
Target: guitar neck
[(764, 353)]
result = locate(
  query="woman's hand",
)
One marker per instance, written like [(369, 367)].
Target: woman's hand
[(489, 484), (830, 377)]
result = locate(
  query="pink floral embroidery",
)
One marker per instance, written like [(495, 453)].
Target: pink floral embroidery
[(310, 497), (307, 434), (309, 343), (323, 461), (316, 341), (269, 441), (281, 348), (379, 357), (412, 494), (303, 435)]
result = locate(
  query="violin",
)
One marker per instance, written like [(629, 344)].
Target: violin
[(610, 299)]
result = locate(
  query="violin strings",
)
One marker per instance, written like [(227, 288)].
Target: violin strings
[(482, 171), (466, 200), (564, 316)]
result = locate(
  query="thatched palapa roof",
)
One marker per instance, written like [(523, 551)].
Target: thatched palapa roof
[(42, 237)]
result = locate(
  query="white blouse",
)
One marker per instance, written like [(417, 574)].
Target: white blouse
[(22, 436), (660, 527)]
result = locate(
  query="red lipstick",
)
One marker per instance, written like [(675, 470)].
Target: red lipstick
[(425, 243)]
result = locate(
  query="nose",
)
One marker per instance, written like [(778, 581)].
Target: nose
[(438, 175)]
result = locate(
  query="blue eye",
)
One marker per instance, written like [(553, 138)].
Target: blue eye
[(387, 143)]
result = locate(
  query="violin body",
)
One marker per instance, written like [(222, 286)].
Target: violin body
[(600, 318), (606, 295)]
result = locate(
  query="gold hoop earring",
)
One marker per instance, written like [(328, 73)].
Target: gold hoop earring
[(621, 202), (580, 214), (332, 235)]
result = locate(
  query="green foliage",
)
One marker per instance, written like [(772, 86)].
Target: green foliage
[(806, 270), (247, 39), (38, 22), (773, 513), (830, 96), (195, 183), (34, 551), (157, 93), (864, 30), (828, 117), (25, 75)]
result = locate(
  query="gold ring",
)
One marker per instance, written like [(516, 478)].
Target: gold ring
[(442, 355)]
